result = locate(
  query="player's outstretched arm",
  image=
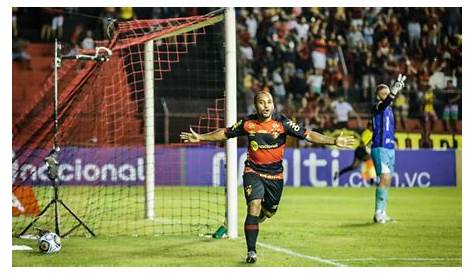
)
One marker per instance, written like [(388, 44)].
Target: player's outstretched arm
[(213, 136), (340, 141)]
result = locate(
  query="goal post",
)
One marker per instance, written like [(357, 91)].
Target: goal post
[(149, 131), (231, 118)]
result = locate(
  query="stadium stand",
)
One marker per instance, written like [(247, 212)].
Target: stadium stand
[(307, 57), (322, 53)]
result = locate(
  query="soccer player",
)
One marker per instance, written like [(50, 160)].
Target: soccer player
[(383, 144), (266, 131), (362, 156)]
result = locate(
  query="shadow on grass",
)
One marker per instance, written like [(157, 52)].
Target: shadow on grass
[(358, 225)]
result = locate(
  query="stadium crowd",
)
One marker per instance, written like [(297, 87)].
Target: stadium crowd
[(324, 63), (321, 64)]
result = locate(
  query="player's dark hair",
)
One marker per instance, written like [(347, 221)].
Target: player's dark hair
[(260, 93)]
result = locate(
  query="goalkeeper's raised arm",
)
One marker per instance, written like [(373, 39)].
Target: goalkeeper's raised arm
[(386, 95)]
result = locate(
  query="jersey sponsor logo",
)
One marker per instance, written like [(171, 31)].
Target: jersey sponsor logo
[(275, 130), (293, 125), (237, 124), (248, 190), (268, 146), (254, 145)]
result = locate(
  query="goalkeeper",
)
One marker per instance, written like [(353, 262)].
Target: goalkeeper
[(362, 157), (266, 131), (383, 144)]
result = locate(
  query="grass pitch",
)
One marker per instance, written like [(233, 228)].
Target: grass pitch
[(313, 227)]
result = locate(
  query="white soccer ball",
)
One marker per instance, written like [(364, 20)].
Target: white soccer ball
[(49, 243)]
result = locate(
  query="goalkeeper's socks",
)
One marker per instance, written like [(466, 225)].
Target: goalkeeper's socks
[(251, 232), (381, 194)]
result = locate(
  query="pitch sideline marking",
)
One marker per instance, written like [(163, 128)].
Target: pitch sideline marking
[(396, 259), (295, 254)]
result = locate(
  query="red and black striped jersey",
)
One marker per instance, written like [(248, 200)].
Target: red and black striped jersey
[(266, 140)]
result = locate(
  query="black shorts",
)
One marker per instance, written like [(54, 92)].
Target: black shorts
[(269, 190)]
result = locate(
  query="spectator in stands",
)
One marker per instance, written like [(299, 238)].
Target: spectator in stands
[(279, 91), (248, 81), (307, 110), (357, 15), (323, 112), (368, 32), (57, 23), (394, 27), (451, 108), (401, 107), (368, 72), (88, 41), (342, 111), (437, 79), (302, 28), (452, 20), (126, 14), (414, 30), (46, 18), (303, 59), (268, 60), (319, 52), (246, 50), (19, 53), (355, 37), (315, 81), (429, 110), (252, 24), (281, 29), (298, 85)]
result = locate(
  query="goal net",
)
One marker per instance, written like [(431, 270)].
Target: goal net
[(102, 134)]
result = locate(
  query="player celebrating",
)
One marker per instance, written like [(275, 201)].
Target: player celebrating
[(263, 175), (383, 144)]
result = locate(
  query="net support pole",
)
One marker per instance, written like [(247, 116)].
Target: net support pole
[(231, 118), (149, 132)]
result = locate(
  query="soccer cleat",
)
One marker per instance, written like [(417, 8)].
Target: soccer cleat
[(379, 218), (251, 257), (262, 219), (382, 218)]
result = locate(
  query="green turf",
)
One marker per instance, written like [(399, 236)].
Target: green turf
[(325, 223)]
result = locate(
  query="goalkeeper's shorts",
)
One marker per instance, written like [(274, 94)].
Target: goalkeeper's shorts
[(384, 160), (263, 186)]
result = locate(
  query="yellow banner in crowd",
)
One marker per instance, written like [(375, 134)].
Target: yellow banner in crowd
[(409, 140)]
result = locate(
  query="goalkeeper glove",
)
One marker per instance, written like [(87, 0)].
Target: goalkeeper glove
[(398, 85)]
